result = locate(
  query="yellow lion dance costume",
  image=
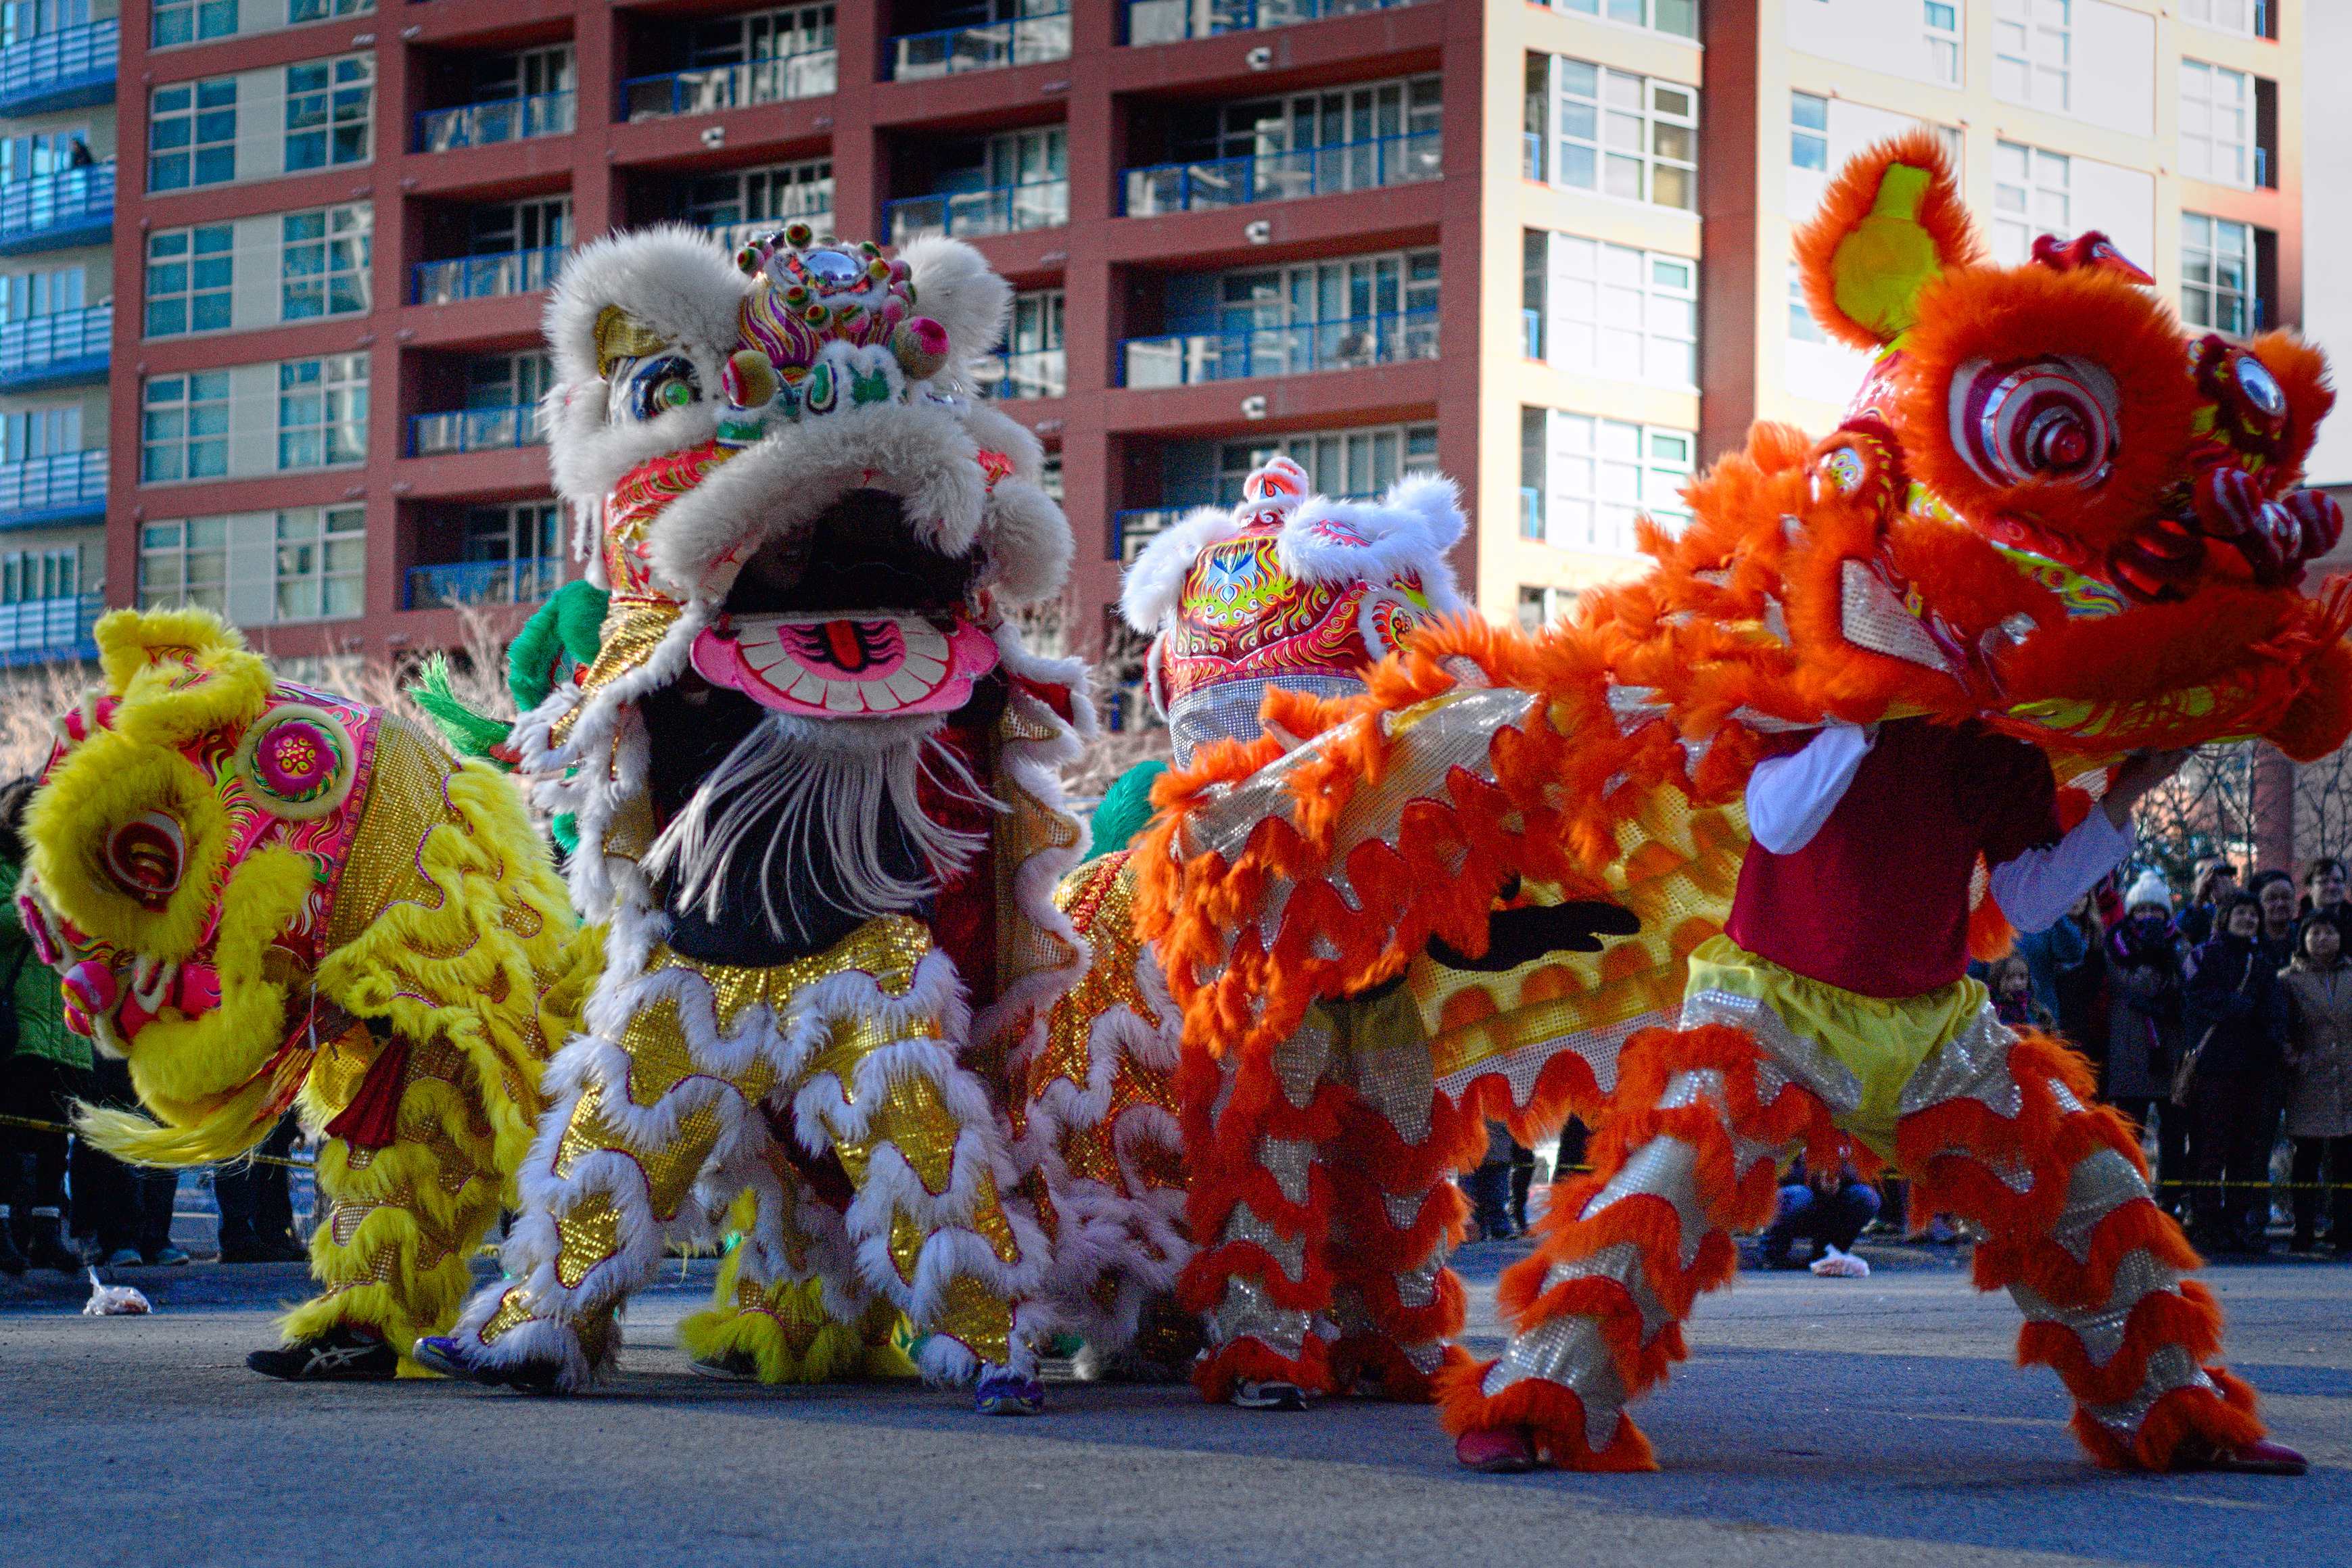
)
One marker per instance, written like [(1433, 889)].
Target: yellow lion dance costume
[(262, 897)]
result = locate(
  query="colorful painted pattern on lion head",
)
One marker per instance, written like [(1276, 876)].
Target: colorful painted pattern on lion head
[(1287, 588)]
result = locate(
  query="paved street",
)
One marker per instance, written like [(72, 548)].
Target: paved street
[(1820, 1422)]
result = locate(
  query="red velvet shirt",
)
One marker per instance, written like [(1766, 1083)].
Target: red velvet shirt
[(1877, 901)]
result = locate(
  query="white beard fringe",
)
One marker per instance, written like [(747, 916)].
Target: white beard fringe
[(825, 791)]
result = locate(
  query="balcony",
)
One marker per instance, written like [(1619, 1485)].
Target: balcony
[(968, 214), (65, 487), (735, 237), (707, 89), (1008, 377), (1132, 529), (1189, 358), (1212, 182), (64, 69), (54, 350), (47, 630), (1172, 21), (524, 581), (502, 120), (486, 277), (50, 212), (476, 430), (986, 47)]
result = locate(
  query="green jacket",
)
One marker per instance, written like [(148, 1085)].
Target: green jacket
[(40, 1011)]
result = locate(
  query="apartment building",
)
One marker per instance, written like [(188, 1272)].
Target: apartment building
[(56, 309), (1542, 247)]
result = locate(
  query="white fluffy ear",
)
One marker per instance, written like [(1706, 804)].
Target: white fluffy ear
[(674, 280), (955, 286), (1149, 595), (1408, 530)]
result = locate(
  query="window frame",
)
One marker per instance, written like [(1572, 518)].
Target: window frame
[(210, 104), (322, 113), (1667, 508), (186, 440), (340, 389), (1603, 113), (324, 556), (193, 291), (182, 549), (1607, 315), (2018, 35), (2014, 229), (354, 243), (2210, 291), (2209, 140)]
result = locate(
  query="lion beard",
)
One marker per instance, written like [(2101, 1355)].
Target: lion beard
[(826, 794)]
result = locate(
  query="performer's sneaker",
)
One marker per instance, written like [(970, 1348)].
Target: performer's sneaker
[(1498, 1451), (2260, 1457), (441, 1354), (342, 1354), (735, 1367), (1270, 1395), (1003, 1391)]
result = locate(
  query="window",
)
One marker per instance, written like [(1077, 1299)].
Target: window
[(1679, 18), (764, 36), (509, 381), (184, 563), (27, 294), (528, 530), (2248, 19), (322, 408), (324, 263), (515, 226), (2217, 117), (33, 432), (2031, 197), (1624, 313), (772, 195), (188, 273), (2217, 275), (1602, 474), (184, 427), (1540, 607), (1809, 130), (192, 135), (1534, 428), (1625, 135), (1803, 328), (329, 111), (38, 153), (1338, 462), (322, 556), (320, 10), (2032, 52), (185, 21), (23, 20), (1942, 22), (30, 575)]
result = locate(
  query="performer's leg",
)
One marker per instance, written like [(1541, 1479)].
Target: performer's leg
[(1688, 1155), (2002, 1130), (1395, 1210), (395, 1238), (1252, 1129)]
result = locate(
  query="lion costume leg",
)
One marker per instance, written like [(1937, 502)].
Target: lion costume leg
[(777, 1319), (2006, 1134), (1689, 1155), (400, 1222), (1396, 1211)]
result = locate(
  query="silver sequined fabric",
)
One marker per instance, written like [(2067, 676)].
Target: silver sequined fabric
[(1229, 710)]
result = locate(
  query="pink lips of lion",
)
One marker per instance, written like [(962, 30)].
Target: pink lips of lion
[(835, 667)]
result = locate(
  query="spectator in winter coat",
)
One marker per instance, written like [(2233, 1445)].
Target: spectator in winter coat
[(2233, 1014), (2318, 990), (2011, 982), (2144, 979), (2216, 880), (2052, 958), (2273, 890), (2323, 886)]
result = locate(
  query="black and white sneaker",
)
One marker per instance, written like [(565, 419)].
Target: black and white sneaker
[(1250, 1395), (342, 1354)]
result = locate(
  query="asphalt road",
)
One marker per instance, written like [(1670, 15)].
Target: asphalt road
[(1820, 1422)]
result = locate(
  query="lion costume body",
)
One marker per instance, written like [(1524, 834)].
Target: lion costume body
[(264, 896)]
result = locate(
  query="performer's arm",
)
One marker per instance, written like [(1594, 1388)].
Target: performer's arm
[(1788, 798), (2037, 887)]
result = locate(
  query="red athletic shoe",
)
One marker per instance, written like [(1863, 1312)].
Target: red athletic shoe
[(2258, 1458), (1502, 1451)]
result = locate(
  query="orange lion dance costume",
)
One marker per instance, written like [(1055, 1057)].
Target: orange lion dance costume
[(2049, 518)]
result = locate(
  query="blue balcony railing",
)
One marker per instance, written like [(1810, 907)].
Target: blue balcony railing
[(54, 489), (50, 212), (1034, 372), (64, 69), (705, 90), (502, 120), (1212, 183), (1531, 521), (999, 210), (1531, 334), (1016, 41), (486, 277), (476, 430), (51, 351), (524, 581), (1187, 359), (1531, 155), (1171, 21), (2263, 178), (43, 631)]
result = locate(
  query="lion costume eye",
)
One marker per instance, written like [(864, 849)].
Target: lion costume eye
[(2055, 420), (147, 855), (660, 385)]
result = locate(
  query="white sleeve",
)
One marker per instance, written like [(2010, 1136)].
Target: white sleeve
[(1788, 798), (2040, 885)]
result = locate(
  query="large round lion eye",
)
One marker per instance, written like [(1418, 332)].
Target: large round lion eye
[(660, 385), (147, 855), (2056, 420)]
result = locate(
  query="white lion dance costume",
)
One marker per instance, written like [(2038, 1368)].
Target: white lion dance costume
[(812, 771)]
